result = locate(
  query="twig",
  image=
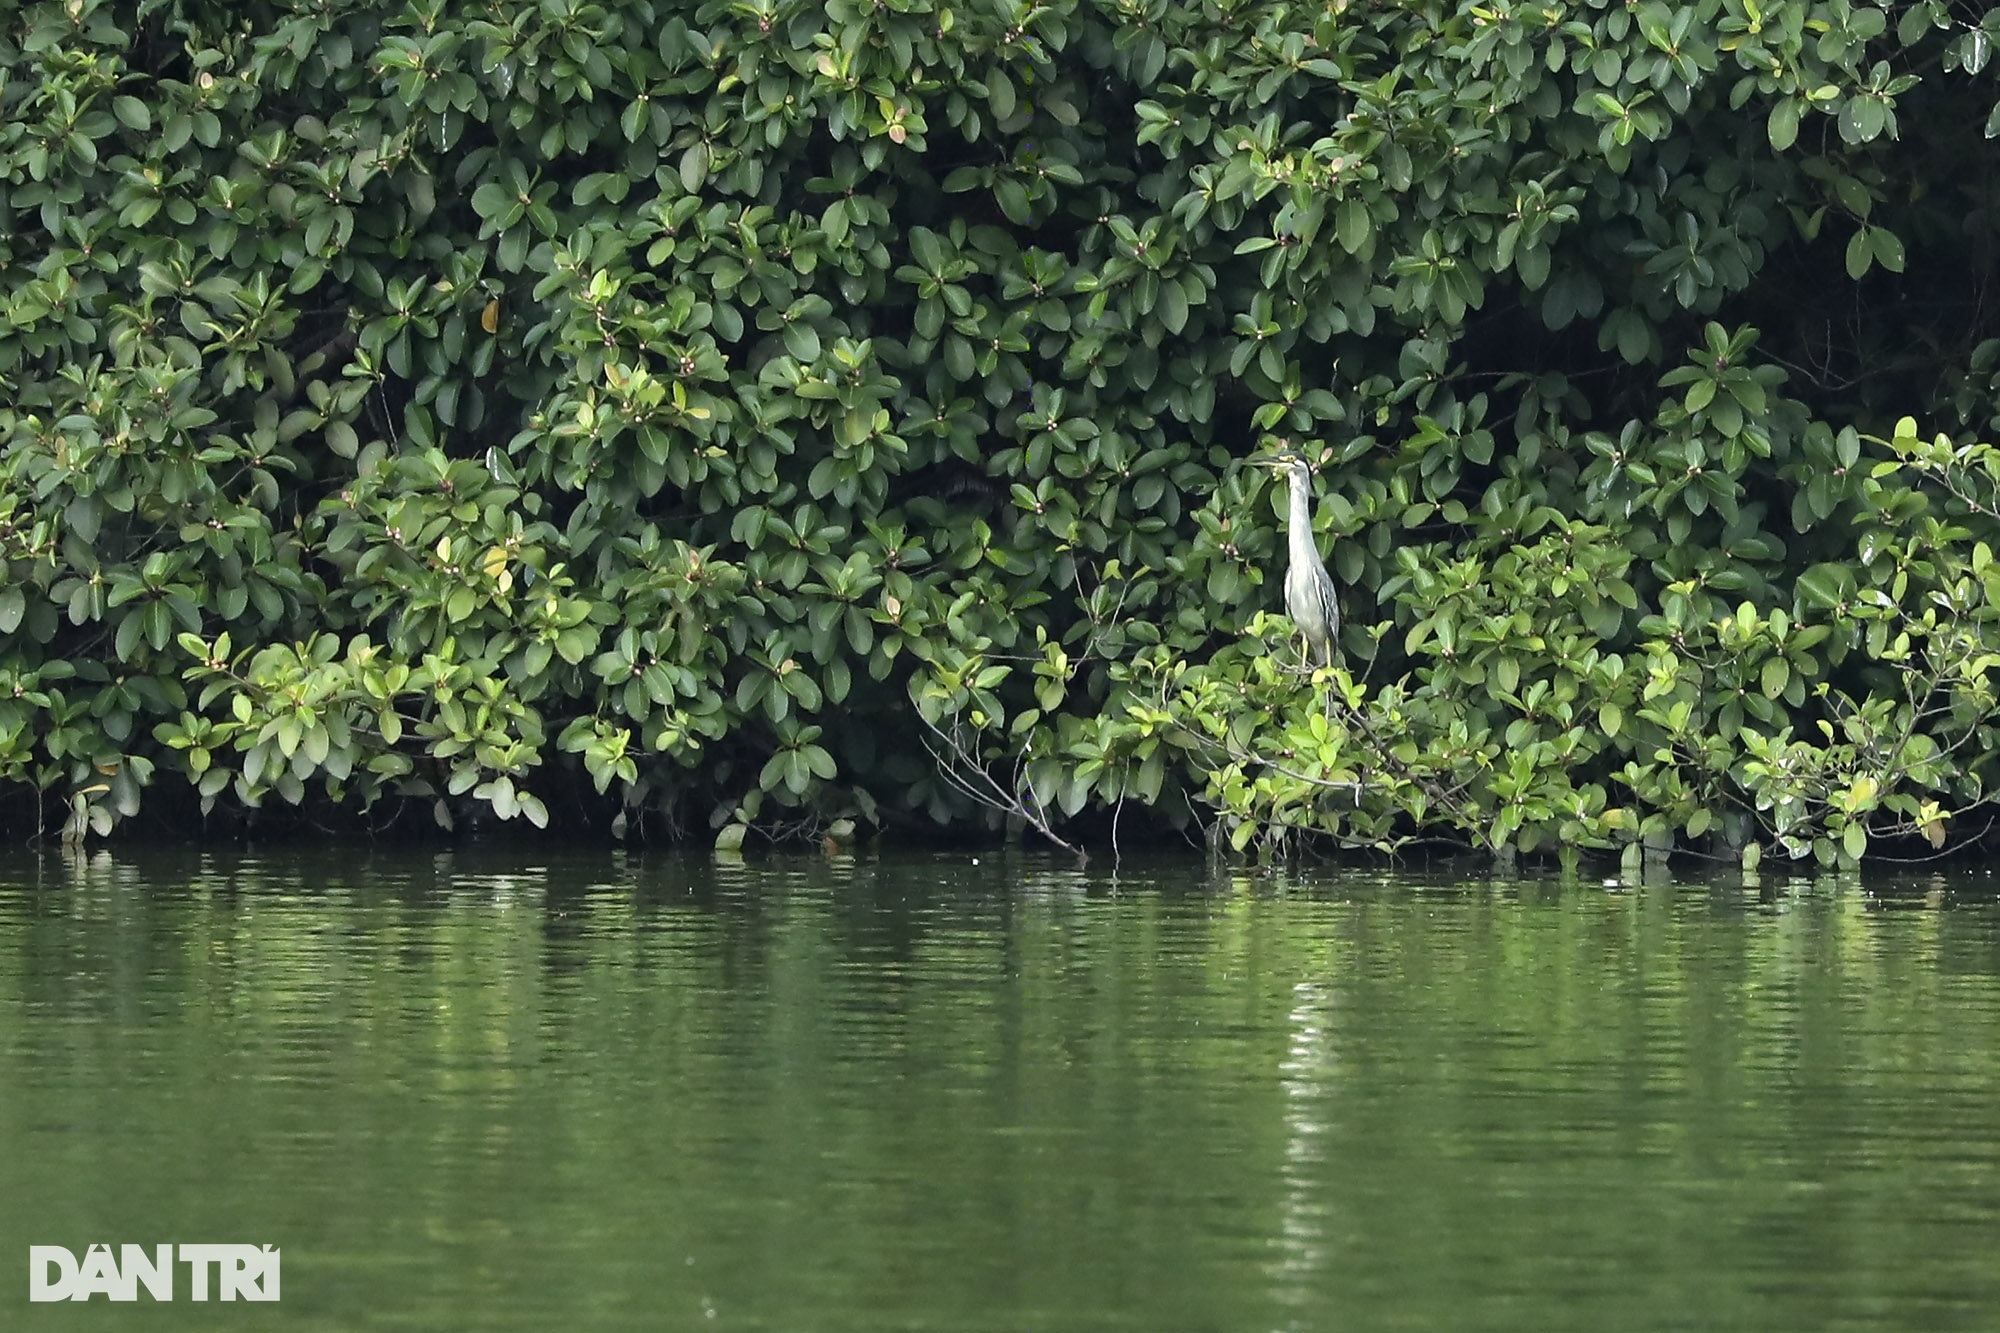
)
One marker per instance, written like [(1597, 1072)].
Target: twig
[(969, 777)]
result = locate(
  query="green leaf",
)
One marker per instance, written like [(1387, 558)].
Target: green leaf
[(1012, 196), (126, 641), (1782, 126), (1532, 263), (1777, 674), (489, 200), (802, 342), (341, 439), (694, 167), (1634, 334), (1888, 248), (1000, 95), (1826, 587), (834, 222), (1915, 24), (1860, 254), (1352, 226), (1974, 49)]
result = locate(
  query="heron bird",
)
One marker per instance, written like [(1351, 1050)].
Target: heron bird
[(1310, 598)]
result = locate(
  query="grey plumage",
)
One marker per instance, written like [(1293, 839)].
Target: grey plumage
[(1310, 598)]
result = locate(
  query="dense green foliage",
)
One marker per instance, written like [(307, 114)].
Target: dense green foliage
[(489, 402)]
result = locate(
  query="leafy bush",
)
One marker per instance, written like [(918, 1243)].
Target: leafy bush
[(640, 409)]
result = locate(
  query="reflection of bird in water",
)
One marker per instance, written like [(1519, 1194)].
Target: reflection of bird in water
[(1310, 599)]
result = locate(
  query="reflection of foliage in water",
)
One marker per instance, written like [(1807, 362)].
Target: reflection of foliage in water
[(877, 1093)]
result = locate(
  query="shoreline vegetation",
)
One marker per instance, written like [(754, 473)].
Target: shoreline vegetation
[(645, 420)]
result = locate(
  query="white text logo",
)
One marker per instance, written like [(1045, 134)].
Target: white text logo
[(239, 1272)]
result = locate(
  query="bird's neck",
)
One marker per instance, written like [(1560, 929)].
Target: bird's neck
[(1300, 530)]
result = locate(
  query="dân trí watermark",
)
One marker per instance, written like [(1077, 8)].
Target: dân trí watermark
[(241, 1272)]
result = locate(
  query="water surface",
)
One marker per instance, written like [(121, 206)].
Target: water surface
[(497, 1091)]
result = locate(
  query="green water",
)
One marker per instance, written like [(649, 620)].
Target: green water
[(485, 1092)]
